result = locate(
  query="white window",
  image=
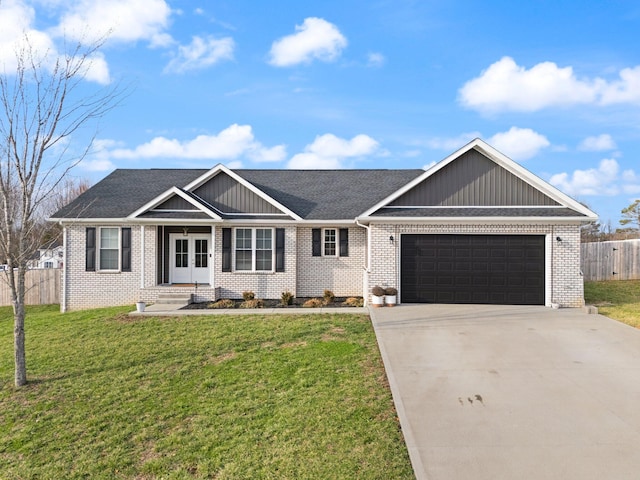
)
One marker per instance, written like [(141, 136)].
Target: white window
[(48, 264), (329, 242), (109, 251), (254, 249)]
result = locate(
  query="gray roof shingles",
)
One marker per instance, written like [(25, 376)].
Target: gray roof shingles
[(312, 194)]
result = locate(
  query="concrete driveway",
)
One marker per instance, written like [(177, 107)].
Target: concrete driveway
[(509, 392)]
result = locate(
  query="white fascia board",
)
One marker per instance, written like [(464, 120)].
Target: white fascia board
[(504, 162), (135, 221), (169, 193), (221, 168), (474, 220)]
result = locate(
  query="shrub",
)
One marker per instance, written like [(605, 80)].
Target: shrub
[(328, 297), (223, 303), (248, 295), (313, 303), (252, 303), (391, 291), (286, 298), (377, 291), (354, 302)]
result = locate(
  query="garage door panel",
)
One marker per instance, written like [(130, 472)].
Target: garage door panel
[(498, 269)]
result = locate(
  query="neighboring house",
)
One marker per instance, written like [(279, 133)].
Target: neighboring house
[(474, 228), (48, 256)]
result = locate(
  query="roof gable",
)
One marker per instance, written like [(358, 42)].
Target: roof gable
[(473, 180), (476, 177)]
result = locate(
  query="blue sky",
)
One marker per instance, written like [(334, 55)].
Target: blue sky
[(361, 84)]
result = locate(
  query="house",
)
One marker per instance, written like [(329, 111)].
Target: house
[(48, 256), (475, 228)]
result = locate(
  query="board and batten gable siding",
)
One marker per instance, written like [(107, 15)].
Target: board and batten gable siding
[(176, 203), (84, 289), (343, 275), (229, 196), (473, 180)]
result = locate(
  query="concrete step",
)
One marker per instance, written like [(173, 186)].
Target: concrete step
[(174, 298)]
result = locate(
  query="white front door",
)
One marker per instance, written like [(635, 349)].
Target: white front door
[(190, 258)]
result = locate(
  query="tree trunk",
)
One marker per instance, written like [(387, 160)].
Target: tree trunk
[(20, 357), (19, 350)]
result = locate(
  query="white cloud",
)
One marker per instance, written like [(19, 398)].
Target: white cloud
[(122, 20), (314, 39), (201, 53), (519, 143), (328, 151), (229, 144), (429, 165), (375, 59), (506, 86), (16, 20), (598, 143), (594, 181)]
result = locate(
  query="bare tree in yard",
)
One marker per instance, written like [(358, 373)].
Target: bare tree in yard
[(43, 103)]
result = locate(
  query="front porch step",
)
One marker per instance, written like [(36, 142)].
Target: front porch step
[(175, 298)]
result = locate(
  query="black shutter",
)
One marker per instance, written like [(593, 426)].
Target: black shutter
[(344, 242), (126, 249), (90, 250), (226, 249), (316, 242), (279, 249)]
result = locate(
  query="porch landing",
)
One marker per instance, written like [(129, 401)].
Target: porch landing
[(180, 294)]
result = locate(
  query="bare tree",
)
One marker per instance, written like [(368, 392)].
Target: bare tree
[(43, 103)]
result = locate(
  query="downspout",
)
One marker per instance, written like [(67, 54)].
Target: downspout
[(142, 256), (367, 267)]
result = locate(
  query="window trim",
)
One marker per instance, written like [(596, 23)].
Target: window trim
[(254, 249), (336, 242), (99, 250)]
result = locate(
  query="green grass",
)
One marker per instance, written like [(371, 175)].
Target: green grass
[(618, 299), (225, 397)]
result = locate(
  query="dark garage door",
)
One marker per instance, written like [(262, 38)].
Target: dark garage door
[(488, 269)]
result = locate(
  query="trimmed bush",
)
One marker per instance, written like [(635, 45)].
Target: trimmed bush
[(328, 297), (354, 302), (391, 291), (286, 298), (313, 303), (377, 291), (223, 303), (252, 303), (248, 295)]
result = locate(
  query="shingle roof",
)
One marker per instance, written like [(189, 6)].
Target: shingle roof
[(312, 194)]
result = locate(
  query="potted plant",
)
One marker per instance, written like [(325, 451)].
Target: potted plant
[(390, 296), (377, 296)]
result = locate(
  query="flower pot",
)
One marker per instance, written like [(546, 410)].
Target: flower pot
[(377, 301), (390, 300), (140, 306)]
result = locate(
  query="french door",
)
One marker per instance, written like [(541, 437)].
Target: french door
[(190, 258)]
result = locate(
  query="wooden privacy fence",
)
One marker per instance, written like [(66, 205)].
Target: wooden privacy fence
[(42, 287), (618, 260)]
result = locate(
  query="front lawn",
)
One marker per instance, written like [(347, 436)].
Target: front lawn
[(619, 299), (197, 397)]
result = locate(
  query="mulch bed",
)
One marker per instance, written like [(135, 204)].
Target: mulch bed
[(296, 303)]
